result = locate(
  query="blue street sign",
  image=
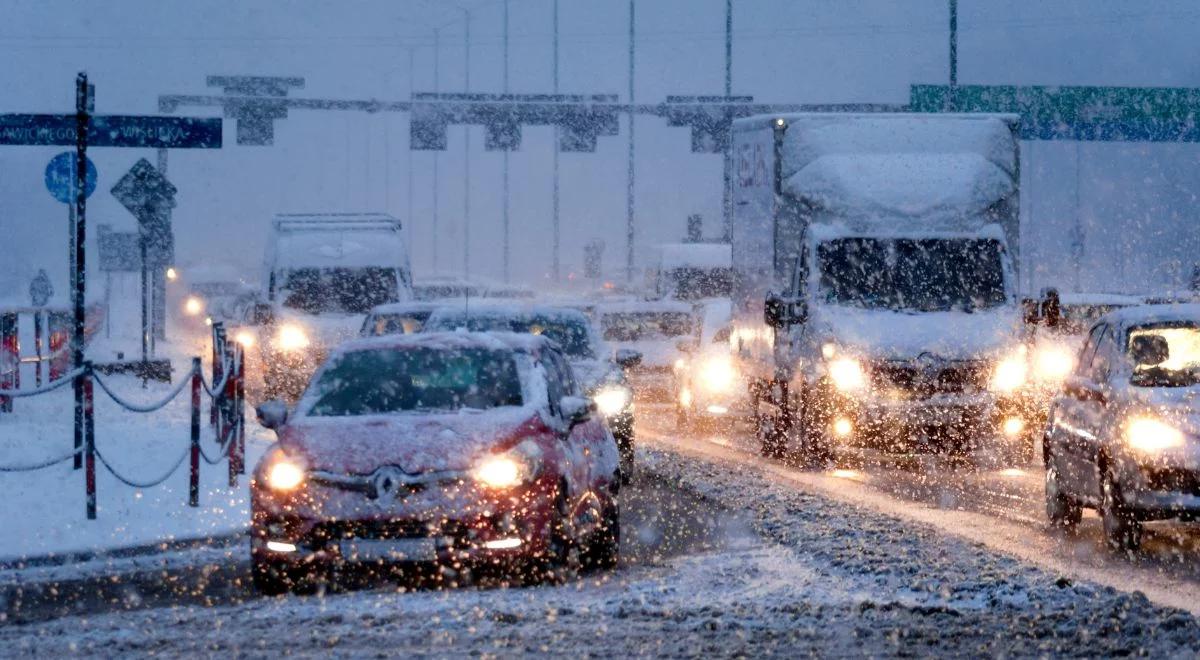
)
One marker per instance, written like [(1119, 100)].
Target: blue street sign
[(149, 131), (61, 173)]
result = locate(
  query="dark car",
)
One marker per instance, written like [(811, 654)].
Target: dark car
[(1124, 435), (456, 449)]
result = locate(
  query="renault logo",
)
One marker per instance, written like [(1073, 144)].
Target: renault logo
[(386, 481)]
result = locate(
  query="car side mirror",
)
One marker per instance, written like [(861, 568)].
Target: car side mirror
[(1085, 390), (628, 358), (272, 414), (1051, 307), (576, 409), (780, 312)]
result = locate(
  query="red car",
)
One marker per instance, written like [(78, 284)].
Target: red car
[(459, 449)]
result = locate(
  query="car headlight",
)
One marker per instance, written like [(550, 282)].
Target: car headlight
[(1009, 374), (1053, 363), (847, 374), (1151, 435), (193, 306), (292, 338), (717, 374), (509, 469), (284, 473), (612, 400), (245, 338)]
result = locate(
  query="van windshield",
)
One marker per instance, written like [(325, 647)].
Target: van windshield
[(912, 275), (347, 290)]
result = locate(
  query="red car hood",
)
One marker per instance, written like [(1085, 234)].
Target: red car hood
[(414, 442)]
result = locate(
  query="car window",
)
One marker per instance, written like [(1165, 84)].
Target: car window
[(384, 381), (722, 336), (1096, 366), (1106, 351), (555, 389), (1088, 350), (570, 386)]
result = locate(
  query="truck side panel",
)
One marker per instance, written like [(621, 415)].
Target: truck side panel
[(753, 238)]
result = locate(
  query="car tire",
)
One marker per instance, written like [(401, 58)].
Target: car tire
[(270, 578), (1062, 510), (604, 548), (558, 562), (1122, 530)]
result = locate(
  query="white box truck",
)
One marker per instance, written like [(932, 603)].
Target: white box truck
[(323, 273), (875, 295)]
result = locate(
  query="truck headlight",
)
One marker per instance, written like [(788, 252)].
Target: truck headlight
[(612, 400), (292, 338), (847, 374), (717, 374), (1150, 435), (1009, 374), (509, 469), (1053, 363)]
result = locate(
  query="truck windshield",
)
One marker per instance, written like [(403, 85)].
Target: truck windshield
[(377, 382), (348, 290), (697, 283), (914, 275)]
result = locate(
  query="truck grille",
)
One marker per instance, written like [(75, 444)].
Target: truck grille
[(922, 379)]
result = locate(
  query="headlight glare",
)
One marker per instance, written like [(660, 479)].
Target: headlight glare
[(292, 338), (284, 475), (1053, 363), (847, 374), (611, 400), (1151, 435), (717, 374), (509, 469), (1009, 374)]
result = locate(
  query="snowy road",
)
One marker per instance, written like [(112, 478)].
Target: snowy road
[(982, 498), (723, 554)]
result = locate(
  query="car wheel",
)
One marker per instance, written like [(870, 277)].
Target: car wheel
[(603, 550), (1062, 509), (270, 578), (1121, 529), (560, 559)]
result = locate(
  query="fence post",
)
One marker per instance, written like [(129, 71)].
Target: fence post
[(89, 439), (240, 409), (217, 352), (194, 474)]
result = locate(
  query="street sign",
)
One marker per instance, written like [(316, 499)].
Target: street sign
[(61, 173), (40, 289), (120, 251), (1111, 114), (113, 131), (149, 196)]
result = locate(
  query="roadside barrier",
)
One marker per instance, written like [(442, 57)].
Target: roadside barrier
[(226, 399)]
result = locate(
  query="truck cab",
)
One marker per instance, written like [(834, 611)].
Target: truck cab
[(876, 280)]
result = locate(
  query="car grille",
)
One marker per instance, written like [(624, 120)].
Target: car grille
[(384, 529), (921, 380)]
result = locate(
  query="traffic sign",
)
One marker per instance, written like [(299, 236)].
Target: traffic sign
[(149, 196), (148, 131), (1114, 114), (61, 174), (40, 289)]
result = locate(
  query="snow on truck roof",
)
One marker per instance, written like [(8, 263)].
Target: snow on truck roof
[(450, 341), (332, 240), (695, 255)]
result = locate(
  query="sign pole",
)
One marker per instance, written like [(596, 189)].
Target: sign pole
[(80, 277)]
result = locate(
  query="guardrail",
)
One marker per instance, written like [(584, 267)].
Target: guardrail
[(226, 395)]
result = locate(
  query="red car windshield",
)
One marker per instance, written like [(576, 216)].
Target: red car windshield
[(373, 382)]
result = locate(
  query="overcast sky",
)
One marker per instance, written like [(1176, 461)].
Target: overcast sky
[(784, 51)]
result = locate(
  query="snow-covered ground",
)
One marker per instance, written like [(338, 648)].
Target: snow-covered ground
[(44, 510), (815, 577)]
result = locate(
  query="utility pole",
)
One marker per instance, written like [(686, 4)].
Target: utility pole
[(555, 266), (411, 71), (953, 96), (467, 148), (437, 76), (727, 167), (629, 201), (507, 247)]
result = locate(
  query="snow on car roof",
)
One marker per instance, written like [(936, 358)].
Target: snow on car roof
[(450, 341), (644, 306), (1143, 314), (500, 309), (406, 307), (1092, 298)]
